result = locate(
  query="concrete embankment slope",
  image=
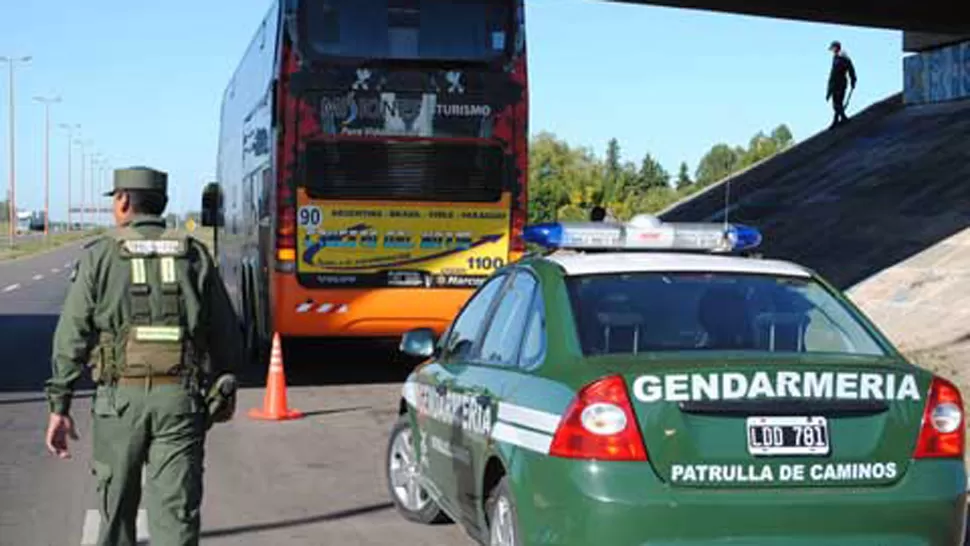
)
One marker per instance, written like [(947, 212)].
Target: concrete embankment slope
[(858, 200), (924, 305), (882, 208)]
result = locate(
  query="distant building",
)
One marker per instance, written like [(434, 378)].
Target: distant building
[(37, 220), (23, 221)]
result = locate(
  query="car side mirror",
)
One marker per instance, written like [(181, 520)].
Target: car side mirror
[(419, 343), (212, 214)]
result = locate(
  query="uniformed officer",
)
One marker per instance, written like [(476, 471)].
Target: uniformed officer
[(148, 310), (841, 75)]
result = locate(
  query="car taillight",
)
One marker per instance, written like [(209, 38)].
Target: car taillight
[(599, 424), (942, 432)]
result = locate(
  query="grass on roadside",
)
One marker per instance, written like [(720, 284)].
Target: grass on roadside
[(34, 245)]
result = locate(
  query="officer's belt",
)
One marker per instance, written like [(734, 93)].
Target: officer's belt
[(150, 380)]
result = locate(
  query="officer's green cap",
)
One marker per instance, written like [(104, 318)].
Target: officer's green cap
[(140, 178)]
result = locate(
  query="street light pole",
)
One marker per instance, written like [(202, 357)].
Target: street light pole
[(81, 144), (70, 148), (93, 187), (102, 178), (47, 101), (12, 203)]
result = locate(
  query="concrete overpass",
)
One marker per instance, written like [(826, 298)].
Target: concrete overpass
[(930, 16), (938, 31)]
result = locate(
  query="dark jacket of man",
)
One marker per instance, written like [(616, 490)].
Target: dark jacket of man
[(842, 73)]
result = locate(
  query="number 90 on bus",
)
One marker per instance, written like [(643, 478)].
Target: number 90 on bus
[(310, 216)]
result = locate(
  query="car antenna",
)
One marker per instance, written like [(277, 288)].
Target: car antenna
[(727, 202)]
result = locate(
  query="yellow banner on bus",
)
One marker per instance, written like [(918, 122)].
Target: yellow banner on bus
[(367, 237)]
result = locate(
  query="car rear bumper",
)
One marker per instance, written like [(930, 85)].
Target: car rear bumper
[(562, 502)]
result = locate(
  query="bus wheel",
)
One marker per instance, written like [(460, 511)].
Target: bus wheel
[(246, 309), (254, 342)]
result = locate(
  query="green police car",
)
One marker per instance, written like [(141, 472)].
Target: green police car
[(649, 383)]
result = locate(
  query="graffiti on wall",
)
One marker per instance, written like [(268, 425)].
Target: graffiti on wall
[(939, 75)]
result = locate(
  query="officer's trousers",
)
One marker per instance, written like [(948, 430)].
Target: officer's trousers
[(163, 428), (838, 106)]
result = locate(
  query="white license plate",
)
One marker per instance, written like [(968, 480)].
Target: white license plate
[(788, 436)]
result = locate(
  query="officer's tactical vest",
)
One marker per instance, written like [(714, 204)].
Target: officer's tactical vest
[(162, 336)]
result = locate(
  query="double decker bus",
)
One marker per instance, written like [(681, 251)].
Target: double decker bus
[(373, 164)]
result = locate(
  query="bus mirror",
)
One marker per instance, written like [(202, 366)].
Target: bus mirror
[(212, 205)]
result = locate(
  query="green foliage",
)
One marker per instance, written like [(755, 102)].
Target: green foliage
[(566, 181), (683, 177), (39, 244), (718, 163)]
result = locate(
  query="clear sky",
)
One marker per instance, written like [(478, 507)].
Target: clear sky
[(144, 80)]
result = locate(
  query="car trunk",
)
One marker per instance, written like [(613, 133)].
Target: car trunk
[(760, 421)]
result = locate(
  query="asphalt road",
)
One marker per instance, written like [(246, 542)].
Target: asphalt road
[(318, 480)]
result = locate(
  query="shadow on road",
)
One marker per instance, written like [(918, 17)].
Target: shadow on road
[(25, 352), (337, 362), (335, 411), (25, 356), (40, 398), (331, 516)]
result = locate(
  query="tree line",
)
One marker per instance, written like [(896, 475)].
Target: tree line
[(566, 181)]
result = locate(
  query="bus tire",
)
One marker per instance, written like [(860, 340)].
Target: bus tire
[(254, 342), (246, 309)]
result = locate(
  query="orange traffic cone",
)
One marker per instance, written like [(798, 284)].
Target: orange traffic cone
[(274, 401)]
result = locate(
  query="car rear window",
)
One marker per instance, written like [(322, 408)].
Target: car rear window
[(648, 312)]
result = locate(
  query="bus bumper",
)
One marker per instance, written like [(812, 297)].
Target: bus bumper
[(366, 313)]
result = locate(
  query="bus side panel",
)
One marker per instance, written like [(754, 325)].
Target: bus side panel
[(246, 146)]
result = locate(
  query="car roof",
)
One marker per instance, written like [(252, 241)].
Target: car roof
[(579, 263)]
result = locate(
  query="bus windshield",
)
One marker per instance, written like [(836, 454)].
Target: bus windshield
[(475, 30), (655, 312)]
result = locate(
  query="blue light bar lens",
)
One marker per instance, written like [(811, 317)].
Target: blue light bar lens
[(547, 235), (746, 237), (687, 236)]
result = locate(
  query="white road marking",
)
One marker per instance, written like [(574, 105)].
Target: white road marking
[(38, 277), (92, 525), (68, 264), (55, 270), (11, 288), (92, 522)]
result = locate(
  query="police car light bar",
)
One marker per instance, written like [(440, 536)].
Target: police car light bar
[(643, 232)]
